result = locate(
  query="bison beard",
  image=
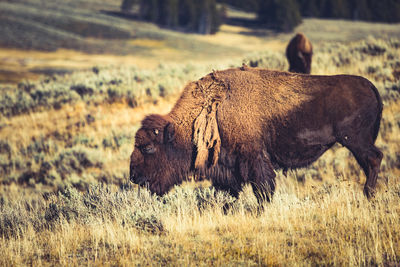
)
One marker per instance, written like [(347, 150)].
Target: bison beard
[(299, 53), (238, 125)]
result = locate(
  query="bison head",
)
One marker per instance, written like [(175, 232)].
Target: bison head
[(305, 58), (154, 155)]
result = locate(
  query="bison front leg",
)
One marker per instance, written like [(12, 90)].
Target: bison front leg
[(261, 176)]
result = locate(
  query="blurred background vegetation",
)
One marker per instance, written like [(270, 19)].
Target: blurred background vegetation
[(206, 16)]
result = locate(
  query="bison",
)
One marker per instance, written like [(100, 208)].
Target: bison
[(299, 53), (239, 125)]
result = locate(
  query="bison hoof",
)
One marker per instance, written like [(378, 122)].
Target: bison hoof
[(369, 192)]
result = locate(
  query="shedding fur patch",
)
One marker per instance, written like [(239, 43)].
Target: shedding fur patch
[(206, 136)]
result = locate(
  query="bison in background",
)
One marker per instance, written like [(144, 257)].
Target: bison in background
[(299, 53), (238, 125)]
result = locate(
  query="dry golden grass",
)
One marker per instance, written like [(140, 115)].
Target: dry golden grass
[(331, 223)]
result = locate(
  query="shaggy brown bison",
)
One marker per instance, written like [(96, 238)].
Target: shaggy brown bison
[(299, 53), (236, 126)]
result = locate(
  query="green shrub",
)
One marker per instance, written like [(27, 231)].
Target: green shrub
[(108, 85), (282, 15), (41, 97), (127, 5), (267, 60), (144, 221), (368, 10), (202, 17), (75, 160), (116, 140)]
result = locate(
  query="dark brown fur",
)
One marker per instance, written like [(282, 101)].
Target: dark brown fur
[(299, 54), (236, 126)]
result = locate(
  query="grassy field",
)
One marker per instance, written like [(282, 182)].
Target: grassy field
[(65, 142), (57, 37)]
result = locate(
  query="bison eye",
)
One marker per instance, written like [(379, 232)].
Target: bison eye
[(148, 149), (155, 131)]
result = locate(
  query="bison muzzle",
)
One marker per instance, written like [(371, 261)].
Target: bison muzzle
[(239, 125)]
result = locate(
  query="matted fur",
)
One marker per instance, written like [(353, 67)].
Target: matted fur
[(237, 125), (206, 136)]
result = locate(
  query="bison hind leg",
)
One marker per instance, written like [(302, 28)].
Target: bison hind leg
[(373, 157), (359, 136), (369, 157)]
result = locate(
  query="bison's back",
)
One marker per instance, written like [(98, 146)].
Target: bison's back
[(287, 111), (261, 94)]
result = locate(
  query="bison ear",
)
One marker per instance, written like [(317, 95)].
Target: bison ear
[(169, 133)]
